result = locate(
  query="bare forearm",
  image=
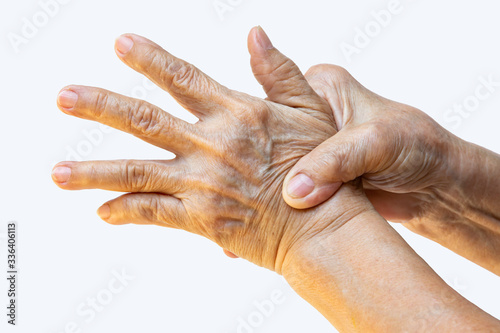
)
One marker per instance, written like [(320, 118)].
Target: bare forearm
[(364, 277), (466, 214)]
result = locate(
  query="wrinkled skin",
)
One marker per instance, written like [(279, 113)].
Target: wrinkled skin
[(413, 170), (226, 180), (401, 153)]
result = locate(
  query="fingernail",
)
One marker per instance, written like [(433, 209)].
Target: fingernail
[(104, 212), (67, 99), (61, 174), (124, 45), (300, 186), (264, 40)]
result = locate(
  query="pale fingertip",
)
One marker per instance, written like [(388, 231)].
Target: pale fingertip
[(123, 45), (300, 186), (258, 43), (301, 193), (67, 99), (230, 254), (104, 212), (263, 39), (61, 174)]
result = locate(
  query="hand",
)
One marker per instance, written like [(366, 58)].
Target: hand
[(226, 179), (225, 184), (401, 153), (413, 170)]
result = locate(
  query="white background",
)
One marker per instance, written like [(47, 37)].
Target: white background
[(431, 56)]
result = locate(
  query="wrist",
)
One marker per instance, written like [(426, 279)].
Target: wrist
[(318, 269), (462, 213), (347, 206), (364, 277), (469, 181), (326, 247), (448, 192), (444, 203)]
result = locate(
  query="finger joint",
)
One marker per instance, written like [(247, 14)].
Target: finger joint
[(145, 120)]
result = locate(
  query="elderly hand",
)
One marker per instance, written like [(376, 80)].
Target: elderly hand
[(225, 182), (401, 152), (413, 170)]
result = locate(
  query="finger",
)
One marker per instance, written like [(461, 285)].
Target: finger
[(230, 254), (280, 77), (144, 208), (121, 176), (130, 115), (342, 158), (193, 89), (337, 86)]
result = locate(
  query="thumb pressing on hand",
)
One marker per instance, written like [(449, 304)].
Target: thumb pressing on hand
[(319, 174)]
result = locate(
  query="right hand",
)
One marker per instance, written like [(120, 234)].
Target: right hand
[(402, 154)]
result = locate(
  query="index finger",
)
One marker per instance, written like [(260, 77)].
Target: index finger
[(193, 89)]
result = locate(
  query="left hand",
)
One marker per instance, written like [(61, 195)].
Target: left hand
[(226, 180)]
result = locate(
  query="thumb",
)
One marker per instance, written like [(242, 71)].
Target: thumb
[(340, 159), (280, 77)]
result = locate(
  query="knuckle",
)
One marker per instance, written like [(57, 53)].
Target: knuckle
[(280, 74), (282, 66), (328, 72), (173, 72), (261, 112), (137, 176), (327, 68), (316, 70), (378, 130), (379, 135), (222, 230), (184, 75), (253, 112), (341, 166), (150, 209), (100, 103), (145, 119)]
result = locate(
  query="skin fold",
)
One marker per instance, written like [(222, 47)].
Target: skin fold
[(226, 184)]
